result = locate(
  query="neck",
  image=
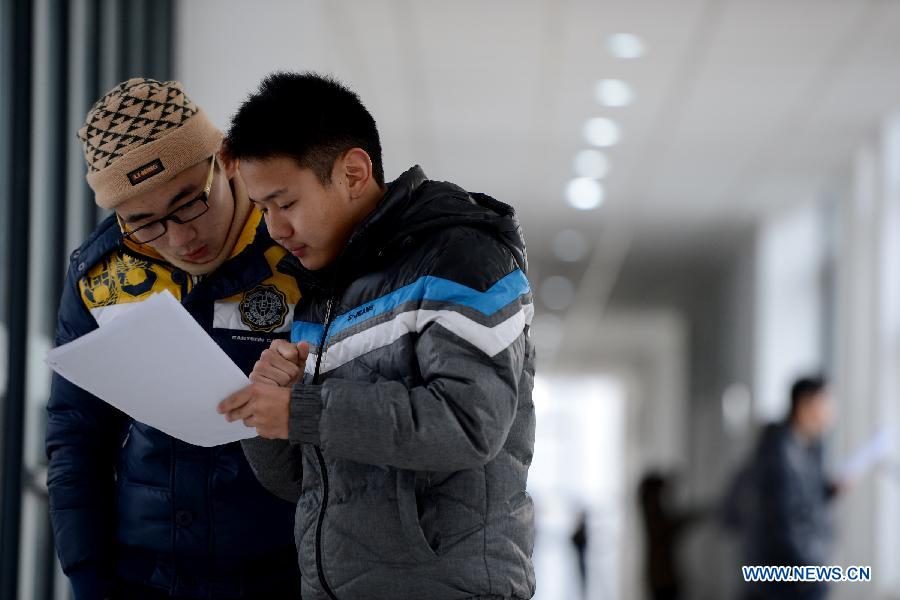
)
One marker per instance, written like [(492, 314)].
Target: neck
[(369, 202), (802, 433)]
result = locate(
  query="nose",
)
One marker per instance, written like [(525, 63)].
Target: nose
[(180, 235), (279, 227)]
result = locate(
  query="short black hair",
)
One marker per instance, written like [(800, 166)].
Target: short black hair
[(804, 389), (309, 117)]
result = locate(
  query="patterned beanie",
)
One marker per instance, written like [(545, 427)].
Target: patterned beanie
[(140, 135)]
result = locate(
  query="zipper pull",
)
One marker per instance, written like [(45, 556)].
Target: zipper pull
[(328, 308)]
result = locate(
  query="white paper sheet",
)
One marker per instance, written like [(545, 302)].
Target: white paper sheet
[(868, 455), (156, 364)]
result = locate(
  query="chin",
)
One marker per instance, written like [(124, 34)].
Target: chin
[(311, 265)]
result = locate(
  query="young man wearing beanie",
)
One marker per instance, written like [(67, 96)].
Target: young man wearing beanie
[(138, 514), (406, 446)]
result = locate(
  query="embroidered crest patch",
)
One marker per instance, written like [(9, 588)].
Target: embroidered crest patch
[(264, 308), (116, 279)]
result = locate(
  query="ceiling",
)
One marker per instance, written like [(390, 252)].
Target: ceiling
[(742, 106)]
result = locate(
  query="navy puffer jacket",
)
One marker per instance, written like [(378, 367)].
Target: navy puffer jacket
[(129, 502)]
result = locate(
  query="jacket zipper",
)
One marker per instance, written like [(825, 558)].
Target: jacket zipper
[(321, 459), (328, 307)]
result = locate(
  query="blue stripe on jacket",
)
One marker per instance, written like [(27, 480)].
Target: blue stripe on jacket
[(431, 288)]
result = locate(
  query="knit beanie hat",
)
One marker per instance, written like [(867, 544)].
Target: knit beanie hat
[(140, 135)]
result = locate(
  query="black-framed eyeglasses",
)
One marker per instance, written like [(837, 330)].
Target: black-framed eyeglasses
[(185, 213)]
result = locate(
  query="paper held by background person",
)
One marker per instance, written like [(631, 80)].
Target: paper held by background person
[(868, 455), (156, 364)]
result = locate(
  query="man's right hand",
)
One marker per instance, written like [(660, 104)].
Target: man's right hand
[(281, 364)]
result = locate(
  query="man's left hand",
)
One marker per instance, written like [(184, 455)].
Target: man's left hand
[(262, 406)]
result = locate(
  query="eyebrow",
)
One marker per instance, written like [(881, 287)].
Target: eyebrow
[(271, 196), (175, 199)]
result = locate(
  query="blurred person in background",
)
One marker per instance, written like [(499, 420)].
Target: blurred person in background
[(138, 514), (581, 542), (664, 528), (780, 499)]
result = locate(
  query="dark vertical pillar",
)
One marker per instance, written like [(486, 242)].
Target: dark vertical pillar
[(91, 74), (16, 287)]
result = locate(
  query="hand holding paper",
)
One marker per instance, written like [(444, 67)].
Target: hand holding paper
[(156, 364), (265, 405)]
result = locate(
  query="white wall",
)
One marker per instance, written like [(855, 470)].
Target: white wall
[(867, 357), (224, 48), (789, 305), (856, 349), (885, 366)]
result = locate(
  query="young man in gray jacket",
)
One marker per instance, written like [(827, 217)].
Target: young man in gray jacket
[(406, 442)]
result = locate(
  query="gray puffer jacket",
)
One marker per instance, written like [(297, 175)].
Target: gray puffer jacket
[(411, 436)]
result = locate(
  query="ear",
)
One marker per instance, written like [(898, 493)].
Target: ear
[(229, 164), (357, 171)]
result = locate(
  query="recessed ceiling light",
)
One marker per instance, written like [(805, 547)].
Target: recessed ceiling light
[(626, 45), (601, 132), (613, 92), (584, 193), (570, 245), (591, 163), (557, 292)]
